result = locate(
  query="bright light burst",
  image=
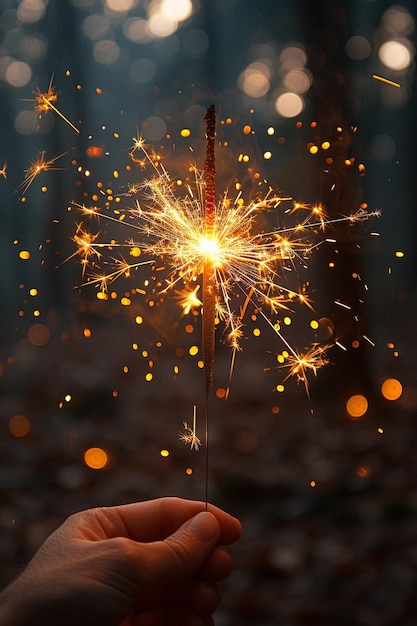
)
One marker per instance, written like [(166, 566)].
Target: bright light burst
[(36, 167), (46, 101), (189, 436), (250, 260), (300, 363), (3, 170)]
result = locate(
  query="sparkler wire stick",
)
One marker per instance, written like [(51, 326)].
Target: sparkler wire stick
[(209, 278)]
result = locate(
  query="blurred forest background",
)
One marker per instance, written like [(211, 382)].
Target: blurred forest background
[(322, 97)]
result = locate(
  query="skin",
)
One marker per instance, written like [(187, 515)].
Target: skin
[(150, 563)]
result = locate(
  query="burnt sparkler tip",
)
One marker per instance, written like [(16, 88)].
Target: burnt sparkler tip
[(210, 119)]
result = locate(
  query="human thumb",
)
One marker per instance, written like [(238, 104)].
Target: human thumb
[(183, 553)]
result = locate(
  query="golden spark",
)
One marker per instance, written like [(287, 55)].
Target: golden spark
[(3, 171), (189, 435), (300, 363), (46, 101), (386, 80), (188, 299), (37, 167)]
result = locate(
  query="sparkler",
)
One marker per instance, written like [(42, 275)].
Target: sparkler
[(226, 248), (223, 243), (210, 247)]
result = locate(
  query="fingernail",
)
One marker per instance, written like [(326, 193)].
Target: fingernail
[(204, 526)]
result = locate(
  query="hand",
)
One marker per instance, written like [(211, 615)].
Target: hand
[(153, 563)]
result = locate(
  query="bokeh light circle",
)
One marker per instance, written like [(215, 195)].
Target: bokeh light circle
[(391, 389), (358, 48), (356, 406), (39, 335), (18, 74), (289, 104), (395, 55), (154, 128), (19, 426), (96, 458)]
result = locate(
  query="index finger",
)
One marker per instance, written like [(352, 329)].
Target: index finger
[(154, 520)]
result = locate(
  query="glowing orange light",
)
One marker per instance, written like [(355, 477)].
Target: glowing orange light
[(94, 152), (363, 471), (38, 335), (391, 389), (357, 406), (386, 80), (96, 458), (19, 425)]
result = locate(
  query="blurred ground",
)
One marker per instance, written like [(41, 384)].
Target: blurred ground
[(341, 552)]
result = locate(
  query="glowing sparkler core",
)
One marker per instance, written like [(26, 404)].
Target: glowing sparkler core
[(209, 249)]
